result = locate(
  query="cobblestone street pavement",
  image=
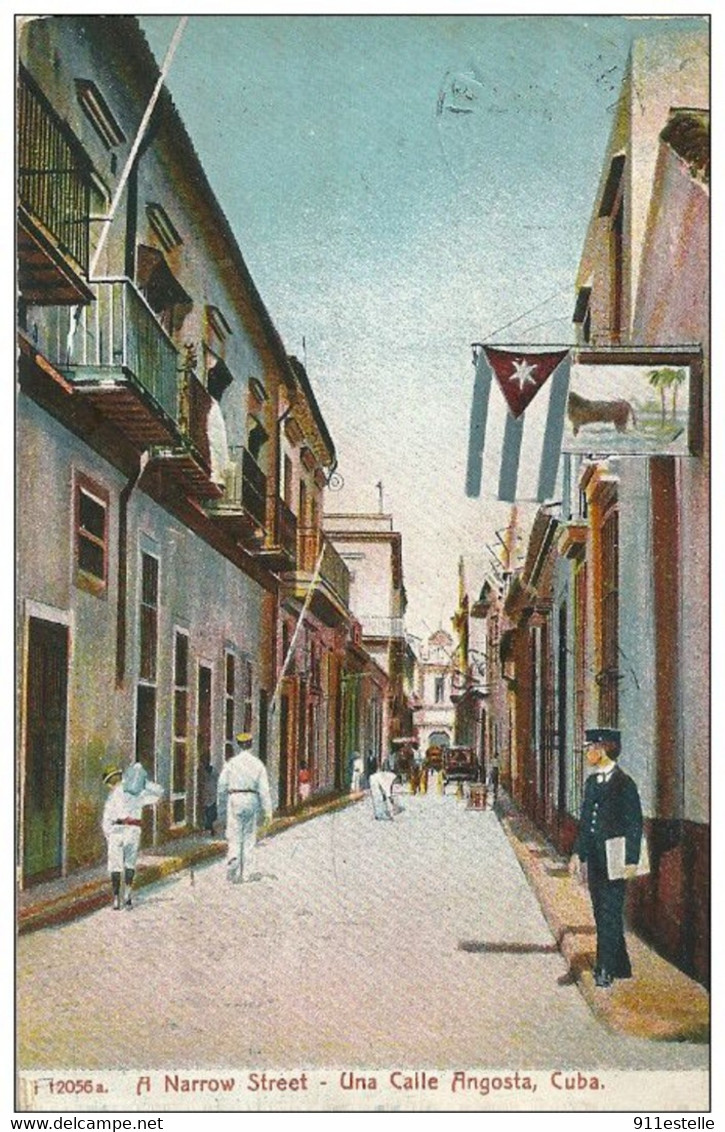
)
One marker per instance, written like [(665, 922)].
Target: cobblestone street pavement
[(413, 942)]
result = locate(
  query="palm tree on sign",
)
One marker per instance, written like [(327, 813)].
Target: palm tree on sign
[(663, 379), (678, 376)]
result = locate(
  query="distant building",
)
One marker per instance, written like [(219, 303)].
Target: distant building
[(364, 694), (434, 715), (372, 551), (470, 691), (314, 596)]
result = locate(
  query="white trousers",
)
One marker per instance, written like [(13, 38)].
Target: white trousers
[(241, 835), (123, 844), (382, 803)]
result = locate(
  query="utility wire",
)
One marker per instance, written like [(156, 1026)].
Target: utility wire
[(525, 314)]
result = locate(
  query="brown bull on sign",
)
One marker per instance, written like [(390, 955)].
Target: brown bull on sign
[(583, 412)]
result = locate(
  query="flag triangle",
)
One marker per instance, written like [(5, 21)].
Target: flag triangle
[(521, 375)]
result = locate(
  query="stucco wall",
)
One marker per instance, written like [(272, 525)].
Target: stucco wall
[(636, 628), (371, 577), (199, 591)]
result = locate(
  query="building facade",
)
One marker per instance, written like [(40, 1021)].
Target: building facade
[(314, 615), (372, 551), (609, 613), (156, 522), (434, 716)]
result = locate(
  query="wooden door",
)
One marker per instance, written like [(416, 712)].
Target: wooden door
[(46, 710)]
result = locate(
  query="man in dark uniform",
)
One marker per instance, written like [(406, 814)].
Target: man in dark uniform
[(611, 808)]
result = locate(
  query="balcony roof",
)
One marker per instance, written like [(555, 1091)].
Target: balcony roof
[(45, 274)]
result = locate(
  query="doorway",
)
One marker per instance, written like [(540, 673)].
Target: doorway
[(46, 711), (203, 736)]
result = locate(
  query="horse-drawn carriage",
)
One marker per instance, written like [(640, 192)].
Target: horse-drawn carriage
[(460, 765)]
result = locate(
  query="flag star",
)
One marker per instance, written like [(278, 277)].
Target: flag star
[(522, 373)]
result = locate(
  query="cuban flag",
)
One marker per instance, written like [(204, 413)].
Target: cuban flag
[(517, 423)]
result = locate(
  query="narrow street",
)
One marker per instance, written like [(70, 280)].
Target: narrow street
[(365, 943)]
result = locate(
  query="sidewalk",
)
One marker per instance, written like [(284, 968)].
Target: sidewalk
[(659, 1002), (85, 891)]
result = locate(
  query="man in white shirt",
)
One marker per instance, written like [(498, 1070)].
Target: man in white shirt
[(243, 795), (130, 792), (381, 793)]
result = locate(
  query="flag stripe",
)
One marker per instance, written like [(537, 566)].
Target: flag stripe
[(551, 451), (527, 484), (512, 439), (477, 433)]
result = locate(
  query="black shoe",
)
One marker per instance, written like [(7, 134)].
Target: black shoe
[(603, 979), (128, 902)]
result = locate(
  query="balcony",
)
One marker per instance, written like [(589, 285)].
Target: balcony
[(188, 464), (330, 597), (241, 509), (389, 628), (335, 573), (572, 542), (281, 554), (54, 195), (287, 528), (119, 359)]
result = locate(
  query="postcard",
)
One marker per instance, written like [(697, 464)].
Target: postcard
[(362, 564)]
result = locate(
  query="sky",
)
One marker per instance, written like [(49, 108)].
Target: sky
[(401, 187)]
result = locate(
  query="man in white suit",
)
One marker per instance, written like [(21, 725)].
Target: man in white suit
[(243, 795)]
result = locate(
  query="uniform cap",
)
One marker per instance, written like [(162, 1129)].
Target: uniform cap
[(245, 738), (608, 735)]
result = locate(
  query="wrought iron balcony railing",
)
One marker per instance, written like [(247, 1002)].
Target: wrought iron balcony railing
[(245, 487), (286, 529), (373, 626), (333, 570), (54, 174), (115, 339), (194, 404)]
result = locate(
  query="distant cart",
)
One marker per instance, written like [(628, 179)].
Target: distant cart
[(460, 765)]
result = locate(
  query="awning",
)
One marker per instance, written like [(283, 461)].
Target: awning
[(157, 280), (218, 375)]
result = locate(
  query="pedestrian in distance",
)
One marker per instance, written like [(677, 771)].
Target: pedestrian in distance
[(210, 782), (243, 797), (381, 794), (356, 771), (611, 819), (493, 779), (130, 791), (304, 780)]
